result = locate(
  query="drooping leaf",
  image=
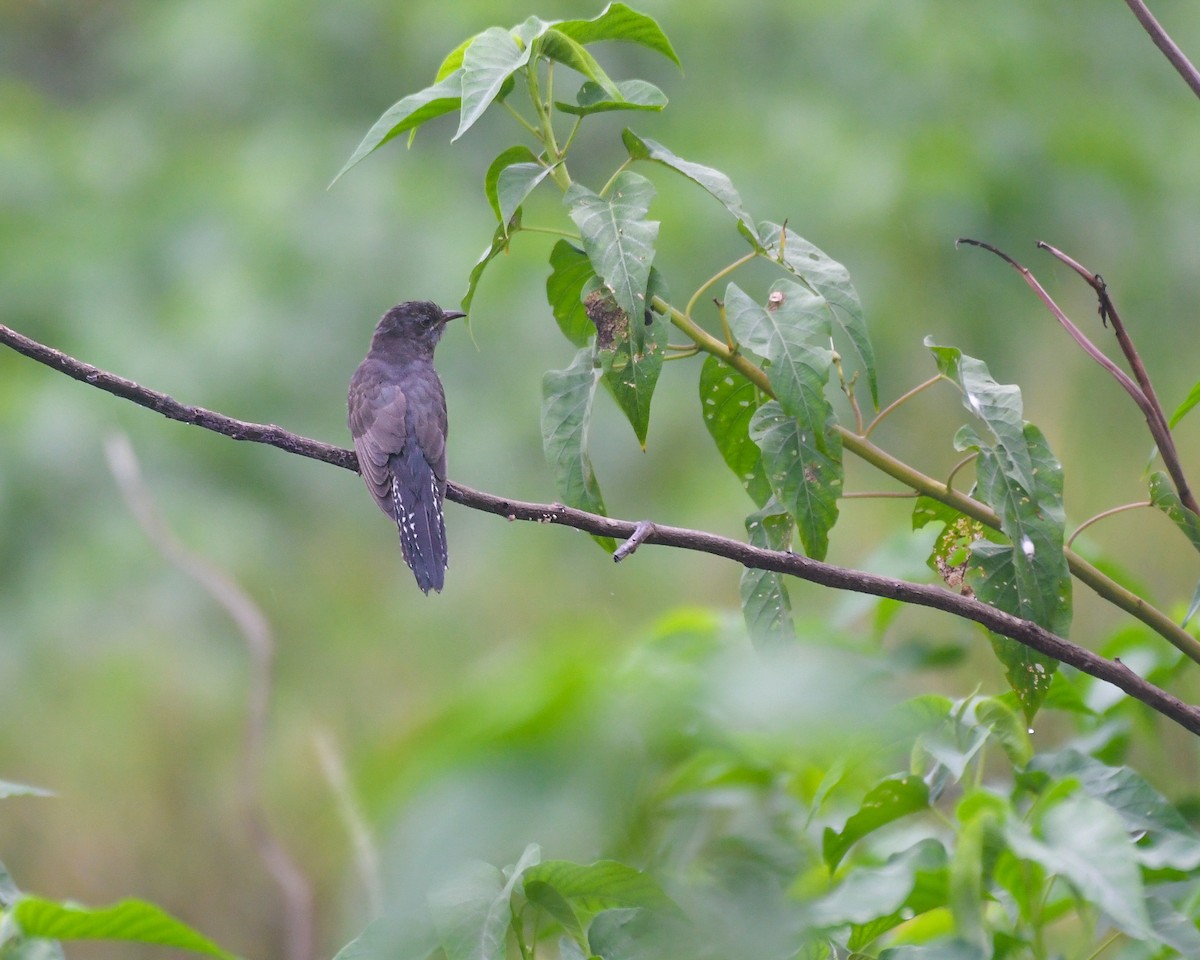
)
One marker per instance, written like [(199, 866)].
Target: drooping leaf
[(827, 278), (619, 22), (1164, 497), (729, 401), (1182, 410), (630, 370), (618, 239), (805, 477), (766, 606), (570, 272), (512, 176), (488, 61), (714, 181), (408, 114), (500, 241), (472, 912), (570, 52), (886, 802), (792, 334), (634, 95), (1083, 842), (603, 885), (130, 921), (566, 413)]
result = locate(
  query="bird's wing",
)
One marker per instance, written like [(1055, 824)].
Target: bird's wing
[(378, 423)]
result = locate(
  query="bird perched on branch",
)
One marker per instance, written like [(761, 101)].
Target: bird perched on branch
[(398, 421)]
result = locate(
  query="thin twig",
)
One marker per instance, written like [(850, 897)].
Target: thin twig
[(1023, 631), (895, 404), (256, 633), (1108, 312), (1105, 514), (641, 532), (1162, 40)]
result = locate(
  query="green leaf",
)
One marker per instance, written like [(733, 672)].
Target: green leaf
[(566, 412), (619, 22), (603, 885), (1182, 410), (131, 921), (570, 272), (510, 179), (1084, 843), (632, 95), (886, 802), (559, 907), (488, 61), (1164, 497), (805, 477), (792, 334), (10, 789), (766, 606), (473, 911), (1172, 927), (391, 938), (566, 50), (870, 893), (618, 239), (729, 402), (827, 278), (631, 358), (408, 114), (714, 181), (500, 241)]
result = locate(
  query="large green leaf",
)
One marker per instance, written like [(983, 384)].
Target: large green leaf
[(566, 413), (728, 401), (828, 278), (500, 241), (1164, 497), (619, 22), (792, 334), (886, 802), (805, 477), (512, 176), (632, 95), (766, 606), (566, 50), (869, 893), (488, 61), (408, 114), (603, 885), (714, 181), (473, 911), (131, 921), (618, 238), (631, 359), (570, 272)]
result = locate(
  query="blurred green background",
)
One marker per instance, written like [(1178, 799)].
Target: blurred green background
[(164, 215)]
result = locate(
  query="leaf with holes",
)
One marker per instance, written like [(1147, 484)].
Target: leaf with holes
[(766, 606), (728, 402), (630, 371), (806, 476), (618, 238), (566, 414)]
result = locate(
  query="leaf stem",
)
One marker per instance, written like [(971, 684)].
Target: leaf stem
[(1105, 514), (558, 169), (958, 466), (717, 278), (516, 115), (553, 231), (616, 173), (904, 398)]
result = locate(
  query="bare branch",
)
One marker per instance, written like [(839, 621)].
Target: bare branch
[(1191, 76), (838, 578)]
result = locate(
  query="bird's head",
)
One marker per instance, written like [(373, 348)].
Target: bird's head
[(418, 323)]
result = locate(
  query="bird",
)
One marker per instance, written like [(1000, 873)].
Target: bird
[(397, 417)]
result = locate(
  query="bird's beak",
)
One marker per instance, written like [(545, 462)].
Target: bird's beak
[(452, 314)]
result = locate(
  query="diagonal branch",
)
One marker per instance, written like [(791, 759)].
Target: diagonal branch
[(839, 578), (1162, 40)]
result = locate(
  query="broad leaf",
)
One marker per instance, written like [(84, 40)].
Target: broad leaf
[(714, 181), (1164, 497), (490, 59), (805, 477), (408, 114), (885, 803), (603, 885), (570, 272), (766, 606), (868, 893), (631, 359), (510, 179), (728, 401), (633, 95), (472, 913), (500, 241), (566, 413), (618, 238), (827, 278), (131, 921), (619, 22), (570, 52)]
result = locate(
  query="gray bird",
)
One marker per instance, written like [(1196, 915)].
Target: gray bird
[(398, 421)]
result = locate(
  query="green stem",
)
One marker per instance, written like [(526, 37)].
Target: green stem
[(898, 401), (558, 170), (717, 278), (616, 173), (516, 115), (553, 231), (861, 447)]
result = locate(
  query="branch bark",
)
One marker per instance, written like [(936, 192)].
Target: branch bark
[(1162, 40), (839, 578)]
